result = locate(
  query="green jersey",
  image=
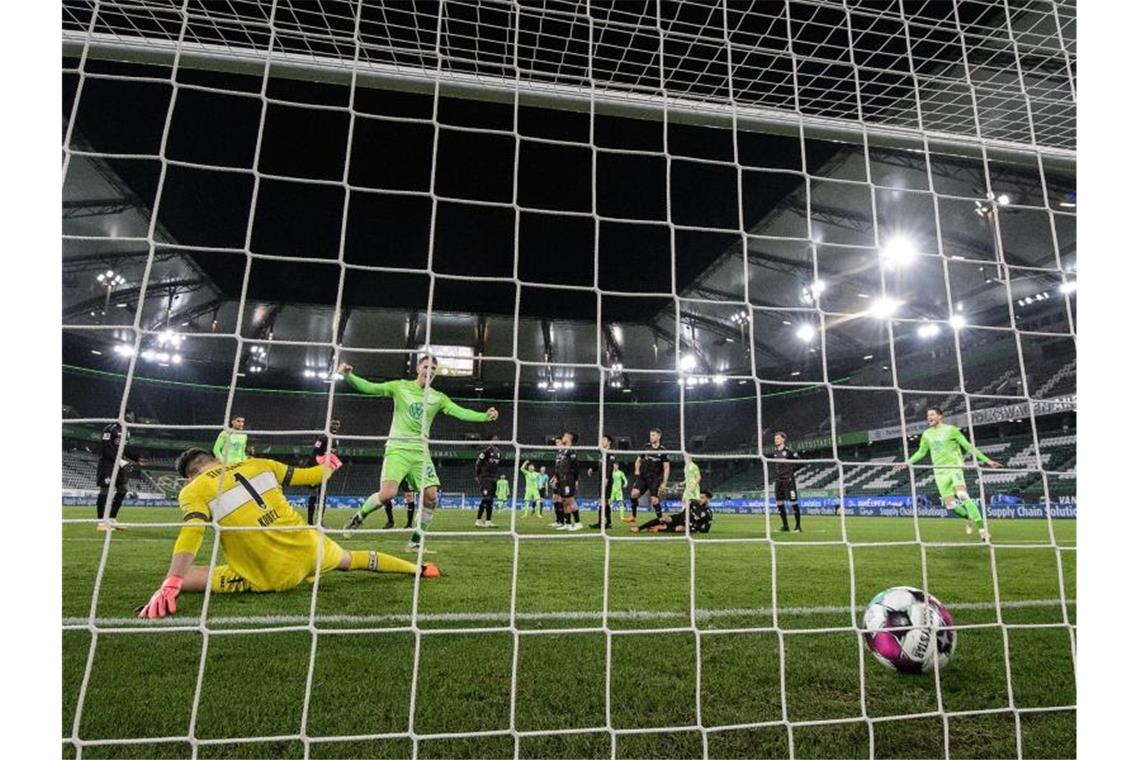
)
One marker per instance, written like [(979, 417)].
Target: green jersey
[(945, 444), (230, 447), (532, 477), (503, 489), (618, 487), (692, 482), (415, 408)]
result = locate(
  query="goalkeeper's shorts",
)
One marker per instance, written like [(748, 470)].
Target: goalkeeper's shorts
[(949, 482), (275, 576)]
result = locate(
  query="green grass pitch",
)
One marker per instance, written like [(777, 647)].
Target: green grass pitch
[(142, 685)]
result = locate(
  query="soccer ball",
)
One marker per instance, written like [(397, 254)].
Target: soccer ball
[(909, 630)]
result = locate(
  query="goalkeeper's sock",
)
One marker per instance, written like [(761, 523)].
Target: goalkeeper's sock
[(783, 515), (370, 505), (958, 509), (796, 512), (378, 562), (411, 507), (388, 510), (101, 504), (971, 509)]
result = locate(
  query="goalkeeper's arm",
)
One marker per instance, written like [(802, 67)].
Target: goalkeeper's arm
[(452, 409), (967, 446), (923, 450)]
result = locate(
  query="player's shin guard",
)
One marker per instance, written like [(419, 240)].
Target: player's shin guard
[(379, 562), (783, 514), (370, 505)]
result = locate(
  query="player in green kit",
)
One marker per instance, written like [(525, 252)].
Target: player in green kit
[(229, 448), (945, 444), (617, 490), (502, 492), (406, 454), (532, 498)]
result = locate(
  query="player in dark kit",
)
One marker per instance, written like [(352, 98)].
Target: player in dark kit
[(650, 476), (785, 481), (325, 444), (607, 465), (697, 513), (109, 441), (486, 474), (566, 482)]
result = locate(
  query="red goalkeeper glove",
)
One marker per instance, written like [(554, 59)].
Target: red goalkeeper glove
[(332, 461), (162, 603)]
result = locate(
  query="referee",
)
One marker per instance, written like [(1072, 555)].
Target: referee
[(785, 480), (325, 444)]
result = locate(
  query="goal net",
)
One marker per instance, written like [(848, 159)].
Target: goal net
[(848, 225)]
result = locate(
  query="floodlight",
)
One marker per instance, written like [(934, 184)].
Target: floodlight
[(805, 333), (899, 251), (884, 307)]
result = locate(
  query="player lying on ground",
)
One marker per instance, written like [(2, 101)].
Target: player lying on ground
[(698, 512), (532, 499), (565, 482), (406, 454), (230, 447), (108, 455), (275, 551), (650, 476), (785, 481), (945, 444)]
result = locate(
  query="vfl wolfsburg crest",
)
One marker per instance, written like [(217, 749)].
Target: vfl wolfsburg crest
[(416, 410)]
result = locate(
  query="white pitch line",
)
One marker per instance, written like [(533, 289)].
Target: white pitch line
[(458, 617)]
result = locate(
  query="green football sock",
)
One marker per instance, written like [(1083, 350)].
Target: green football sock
[(370, 505), (974, 512), (958, 509)]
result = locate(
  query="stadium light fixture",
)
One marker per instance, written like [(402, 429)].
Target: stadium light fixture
[(883, 308), (806, 333), (1068, 286), (124, 349), (542, 384), (957, 321), (569, 384), (898, 252), (719, 379), (176, 358), (1003, 200), (148, 355), (928, 330), (309, 373), (688, 363)]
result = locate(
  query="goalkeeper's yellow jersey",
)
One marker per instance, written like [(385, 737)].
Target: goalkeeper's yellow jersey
[(250, 496)]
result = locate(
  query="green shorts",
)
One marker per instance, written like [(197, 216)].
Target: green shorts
[(410, 466), (531, 496), (949, 482)]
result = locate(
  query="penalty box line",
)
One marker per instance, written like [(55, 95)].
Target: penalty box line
[(479, 617)]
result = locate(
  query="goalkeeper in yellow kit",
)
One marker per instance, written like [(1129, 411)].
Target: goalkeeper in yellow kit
[(270, 546)]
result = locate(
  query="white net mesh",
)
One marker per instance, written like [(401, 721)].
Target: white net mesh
[(941, 212)]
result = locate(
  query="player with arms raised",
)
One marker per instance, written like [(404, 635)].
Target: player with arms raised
[(263, 557), (406, 454), (945, 444)]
